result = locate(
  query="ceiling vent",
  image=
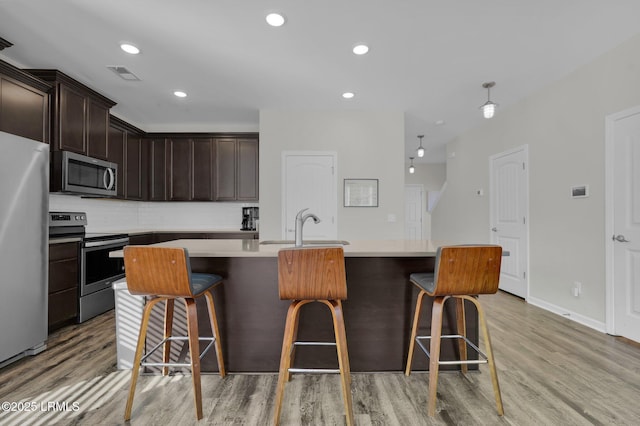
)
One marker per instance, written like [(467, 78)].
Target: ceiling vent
[(124, 73)]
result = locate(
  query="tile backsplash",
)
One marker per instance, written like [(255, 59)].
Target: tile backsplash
[(104, 215)]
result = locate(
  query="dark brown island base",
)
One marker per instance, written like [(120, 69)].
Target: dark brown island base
[(378, 312)]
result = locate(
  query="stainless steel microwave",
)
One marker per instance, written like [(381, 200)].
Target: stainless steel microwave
[(78, 174)]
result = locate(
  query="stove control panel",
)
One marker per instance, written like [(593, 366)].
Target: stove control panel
[(57, 219)]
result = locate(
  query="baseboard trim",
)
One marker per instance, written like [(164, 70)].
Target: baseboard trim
[(574, 316)]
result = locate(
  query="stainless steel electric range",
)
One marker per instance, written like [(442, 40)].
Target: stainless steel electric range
[(97, 270)]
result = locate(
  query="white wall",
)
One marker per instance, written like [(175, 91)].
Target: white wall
[(105, 215), (563, 125), (369, 144)]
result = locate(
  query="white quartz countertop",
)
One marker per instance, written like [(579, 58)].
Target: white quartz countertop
[(172, 231), (253, 248)]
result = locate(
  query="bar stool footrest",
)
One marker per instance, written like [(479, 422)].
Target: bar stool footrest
[(481, 354), (211, 341), (313, 370)]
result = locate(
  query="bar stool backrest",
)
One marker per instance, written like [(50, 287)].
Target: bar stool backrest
[(312, 273), (467, 269), (158, 271)]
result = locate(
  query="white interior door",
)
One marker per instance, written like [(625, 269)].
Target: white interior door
[(626, 225), (413, 211), (509, 223), (309, 181)]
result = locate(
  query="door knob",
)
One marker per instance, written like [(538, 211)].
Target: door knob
[(620, 238), (494, 229)]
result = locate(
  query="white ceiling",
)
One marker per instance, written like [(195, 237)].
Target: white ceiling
[(428, 58)]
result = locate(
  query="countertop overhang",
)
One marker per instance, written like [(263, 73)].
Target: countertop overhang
[(253, 248)]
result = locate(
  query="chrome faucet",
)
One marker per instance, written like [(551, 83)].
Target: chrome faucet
[(300, 219)]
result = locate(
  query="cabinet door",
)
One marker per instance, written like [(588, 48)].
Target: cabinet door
[(247, 170), (157, 170), (115, 154), (225, 179), (63, 284), (203, 166), (133, 167), (97, 125), (179, 169), (72, 123), (24, 110)]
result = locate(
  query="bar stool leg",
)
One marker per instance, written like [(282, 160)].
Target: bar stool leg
[(168, 328), (285, 356), (135, 370), (414, 331), (434, 359), (294, 337), (462, 330), (194, 352), (490, 359), (213, 319), (343, 357)]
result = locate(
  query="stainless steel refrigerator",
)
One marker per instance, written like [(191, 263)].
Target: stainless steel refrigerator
[(24, 251)]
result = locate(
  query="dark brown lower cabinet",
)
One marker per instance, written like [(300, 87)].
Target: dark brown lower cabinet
[(63, 284)]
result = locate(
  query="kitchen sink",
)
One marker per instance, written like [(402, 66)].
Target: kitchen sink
[(308, 242)]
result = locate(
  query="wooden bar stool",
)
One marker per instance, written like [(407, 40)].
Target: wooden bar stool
[(165, 274), (461, 272), (308, 275)]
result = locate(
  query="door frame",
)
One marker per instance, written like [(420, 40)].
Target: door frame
[(609, 167), (527, 234), (283, 184)]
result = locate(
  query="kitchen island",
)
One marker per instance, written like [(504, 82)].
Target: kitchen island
[(378, 312)]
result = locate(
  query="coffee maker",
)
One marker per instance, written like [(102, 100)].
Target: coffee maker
[(249, 218)]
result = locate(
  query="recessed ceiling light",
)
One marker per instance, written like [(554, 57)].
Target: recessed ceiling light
[(348, 95), (439, 122), (360, 49), (275, 19), (180, 94), (130, 48)]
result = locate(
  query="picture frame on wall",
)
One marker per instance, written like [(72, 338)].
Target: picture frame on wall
[(360, 193)]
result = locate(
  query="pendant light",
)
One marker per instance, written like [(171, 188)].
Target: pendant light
[(488, 108), (411, 168), (420, 148)]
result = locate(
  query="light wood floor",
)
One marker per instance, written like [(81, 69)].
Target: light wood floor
[(552, 372)]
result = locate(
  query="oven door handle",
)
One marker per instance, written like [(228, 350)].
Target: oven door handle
[(119, 241)]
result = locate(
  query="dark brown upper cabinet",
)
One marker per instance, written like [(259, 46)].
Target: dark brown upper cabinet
[(247, 170), (97, 129), (79, 116), (134, 170), (203, 169), (126, 148), (190, 166), (115, 154), (179, 169), (225, 170), (157, 169), (236, 169), (24, 104)]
